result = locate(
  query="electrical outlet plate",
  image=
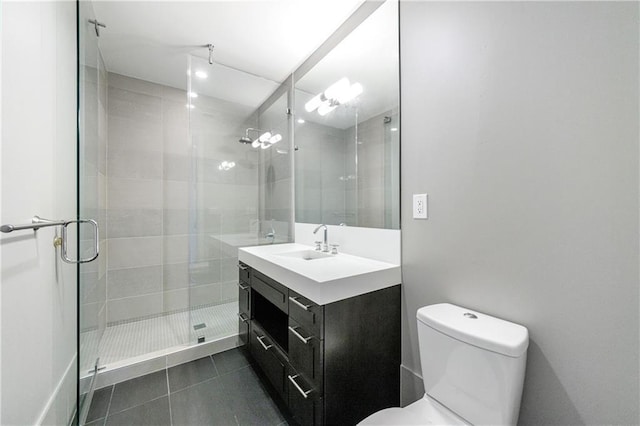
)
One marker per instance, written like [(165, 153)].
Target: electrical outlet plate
[(420, 206)]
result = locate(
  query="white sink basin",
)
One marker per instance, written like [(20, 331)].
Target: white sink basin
[(326, 281), (306, 254)]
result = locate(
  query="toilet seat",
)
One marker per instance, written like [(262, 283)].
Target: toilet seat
[(425, 411)]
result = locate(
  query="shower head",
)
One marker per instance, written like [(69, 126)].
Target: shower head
[(245, 139)]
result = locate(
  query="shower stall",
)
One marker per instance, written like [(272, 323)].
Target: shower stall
[(175, 194)]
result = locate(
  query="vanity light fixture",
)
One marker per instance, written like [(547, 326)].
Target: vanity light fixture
[(340, 92)]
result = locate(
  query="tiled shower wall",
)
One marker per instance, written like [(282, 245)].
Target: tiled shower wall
[(168, 203), (335, 185), (376, 151), (93, 197)]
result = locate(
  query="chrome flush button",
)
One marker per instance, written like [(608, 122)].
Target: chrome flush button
[(470, 315)]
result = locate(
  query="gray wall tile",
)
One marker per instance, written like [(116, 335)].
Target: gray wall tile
[(134, 194), (134, 252), (175, 276), (134, 307), (134, 223), (133, 163), (134, 281)]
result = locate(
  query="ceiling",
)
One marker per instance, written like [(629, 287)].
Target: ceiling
[(257, 43)]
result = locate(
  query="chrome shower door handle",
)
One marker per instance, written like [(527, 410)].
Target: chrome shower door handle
[(65, 242)]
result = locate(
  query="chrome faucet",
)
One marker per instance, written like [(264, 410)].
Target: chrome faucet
[(325, 243)]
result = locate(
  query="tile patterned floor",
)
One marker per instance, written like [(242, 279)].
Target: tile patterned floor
[(222, 389), (131, 339)]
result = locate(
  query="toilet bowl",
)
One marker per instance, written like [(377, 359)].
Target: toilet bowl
[(473, 369), (424, 411)]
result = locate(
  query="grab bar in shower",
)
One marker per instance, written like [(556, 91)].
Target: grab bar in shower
[(37, 222)]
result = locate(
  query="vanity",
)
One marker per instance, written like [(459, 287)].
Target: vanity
[(324, 329)]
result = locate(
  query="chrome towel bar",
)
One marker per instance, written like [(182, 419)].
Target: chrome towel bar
[(37, 222)]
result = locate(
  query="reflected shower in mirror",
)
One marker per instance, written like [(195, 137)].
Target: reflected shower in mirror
[(347, 129)]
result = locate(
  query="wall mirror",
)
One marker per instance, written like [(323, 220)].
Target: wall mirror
[(347, 129)]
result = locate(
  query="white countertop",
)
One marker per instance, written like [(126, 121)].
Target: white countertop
[(324, 280)]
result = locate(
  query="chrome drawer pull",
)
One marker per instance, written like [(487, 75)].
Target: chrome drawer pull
[(305, 340), (305, 394), (242, 287), (266, 347), (295, 300), (242, 267), (243, 318)]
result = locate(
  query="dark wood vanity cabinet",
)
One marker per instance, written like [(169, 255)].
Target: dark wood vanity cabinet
[(332, 364)]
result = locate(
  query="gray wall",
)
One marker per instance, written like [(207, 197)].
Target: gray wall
[(520, 120)]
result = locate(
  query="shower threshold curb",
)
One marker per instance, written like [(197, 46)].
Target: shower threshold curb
[(159, 360)]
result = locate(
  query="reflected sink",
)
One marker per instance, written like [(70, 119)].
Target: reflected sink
[(306, 254)]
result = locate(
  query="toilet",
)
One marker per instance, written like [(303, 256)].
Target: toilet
[(473, 370)]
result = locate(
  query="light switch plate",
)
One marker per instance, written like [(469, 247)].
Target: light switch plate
[(420, 206)]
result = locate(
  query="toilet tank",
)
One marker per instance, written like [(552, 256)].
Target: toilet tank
[(472, 363)]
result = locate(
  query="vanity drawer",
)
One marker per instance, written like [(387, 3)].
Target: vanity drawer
[(306, 353), (243, 328), (266, 355), (244, 298), (305, 403), (244, 272), (273, 291), (307, 314)]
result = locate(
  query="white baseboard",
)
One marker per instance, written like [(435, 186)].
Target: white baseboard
[(61, 406)]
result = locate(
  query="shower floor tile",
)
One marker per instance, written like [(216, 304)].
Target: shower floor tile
[(146, 336)]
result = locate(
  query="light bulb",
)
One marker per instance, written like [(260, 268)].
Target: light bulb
[(275, 138), (265, 137), (337, 89), (354, 91), (325, 109), (255, 143), (313, 103)]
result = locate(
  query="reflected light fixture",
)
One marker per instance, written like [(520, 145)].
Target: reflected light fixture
[(266, 139), (226, 165), (340, 92), (201, 74), (193, 95)]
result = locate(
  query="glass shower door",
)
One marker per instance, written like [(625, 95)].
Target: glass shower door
[(92, 95)]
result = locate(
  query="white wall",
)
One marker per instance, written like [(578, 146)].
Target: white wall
[(520, 120), (38, 172)]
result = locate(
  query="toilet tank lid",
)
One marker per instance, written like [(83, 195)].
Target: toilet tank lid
[(483, 331)]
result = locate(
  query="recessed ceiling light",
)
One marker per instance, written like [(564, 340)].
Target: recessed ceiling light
[(193, 95), (301, 120), (201, 74)]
